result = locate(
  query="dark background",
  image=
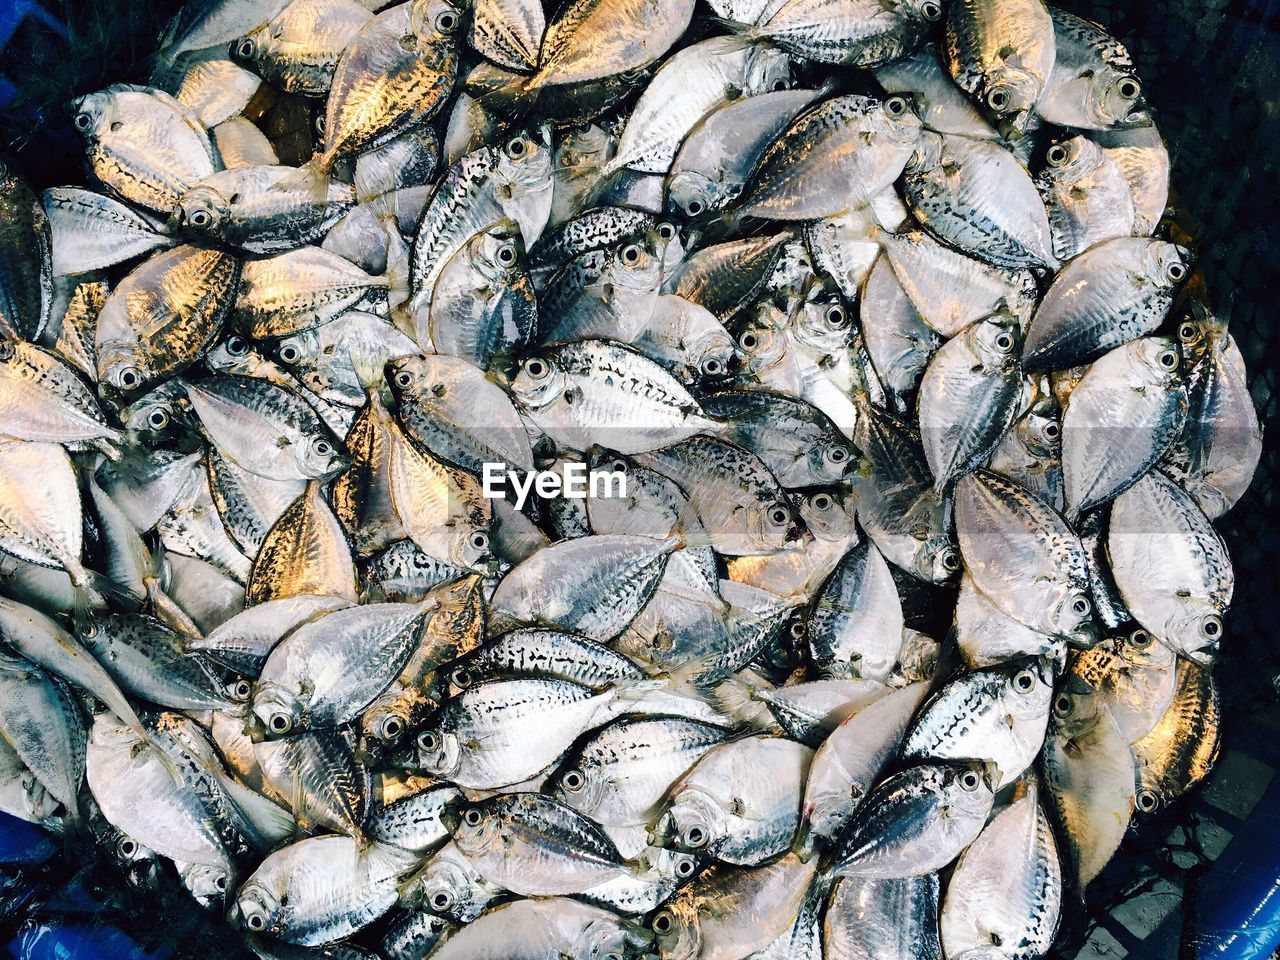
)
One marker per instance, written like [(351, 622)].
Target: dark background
[(1211, 71)]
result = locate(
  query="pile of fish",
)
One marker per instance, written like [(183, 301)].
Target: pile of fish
[(892, 593)]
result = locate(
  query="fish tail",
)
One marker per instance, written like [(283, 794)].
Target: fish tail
[(739, 697), (749, 32)]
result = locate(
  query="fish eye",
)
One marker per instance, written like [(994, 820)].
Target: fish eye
[(631, 254), (220, 881), (836, 316), (1004, 343), (798, 630), (1057, 155), (447, 22), (998, 99), (970, 781), (712, 367), (663, 922), (200, 218), (574, 781), (696, 837), (89, 630), (158, 419), (241, 689), (685, 867), (1187, 332), (749, 341), (129, 378), (1176, 272), (83, 121), (896, 106), (930, 10), (517, 147), (281, 722), (1062, 705), (127, 848), (472, 817), (390, 729), (1081, 606), (950, 560), (323, 448), (429, 741), (837, 454), (779, 84), (1140, 638), (404, 379), (667, 231), (1024, 681), (237, 346), (442, 900), (290, 354), (246, 49), (1168, 359), (255, 921), (321, 123), (694, 207), (537, 369), (462, 677), (1211, 627), (1147, 801), (507, 254), (822, 502), (1129, 88), (1052, 430), (480, 540), (779, 514)]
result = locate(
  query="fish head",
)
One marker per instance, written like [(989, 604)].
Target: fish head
[(691, 194), (1075, 708), (581, 789), (936, 559), (387, 722), (435, 20), (478, 829), (540, 381), (299, 348), (1072, 616), (122, 366), (1009, 93), (235, 354), (1069, 161), (995, 341), (319, 456), (676, 931), (608, 938), (1200, 333), (411, 375), (774, 524), (1140, 649), (525, 160), (928, 11), (438, 752), (968, 788), (1158, 362), (91, 113), (768, 70), (1194, 630), (278, 710), (247, 49), (203, 210), (829, 513), (1114, 98), (448, 888), (898, 121), (1167, 264), (693, 824), (637, 264), (498, 253), (207, 883), (825, 324), (256, 909), (1041, 428), (1029, 689), (469, 545)]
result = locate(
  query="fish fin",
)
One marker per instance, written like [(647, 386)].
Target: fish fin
[(738, 696), (747, 32), (264, 823)]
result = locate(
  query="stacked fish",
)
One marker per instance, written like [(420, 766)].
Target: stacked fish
[(898, 592)]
